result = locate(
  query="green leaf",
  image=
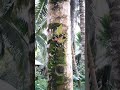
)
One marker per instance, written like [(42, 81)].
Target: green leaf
[(21, 25), (105, 34), (75, 78), (59, 30), (40, 40)]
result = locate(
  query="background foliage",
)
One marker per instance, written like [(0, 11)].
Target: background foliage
[(41, 49)]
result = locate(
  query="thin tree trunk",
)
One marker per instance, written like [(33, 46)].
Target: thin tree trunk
[(73, 6), (59, 46), (82, 27), (90, 32), (75, 65), (91, 66)]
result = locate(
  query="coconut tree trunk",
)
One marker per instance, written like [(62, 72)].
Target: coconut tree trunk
[(59, 46), (82, 27), (115, 42), (73, 6)]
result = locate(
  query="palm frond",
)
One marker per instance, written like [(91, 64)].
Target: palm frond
[(40, 40), (105, 21), (16, 42), (78, 39), (105, 34), (21, 25), (40, 15), (40, 26)]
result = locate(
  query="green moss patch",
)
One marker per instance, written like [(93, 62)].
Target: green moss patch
[(56, 52), (54, 26)]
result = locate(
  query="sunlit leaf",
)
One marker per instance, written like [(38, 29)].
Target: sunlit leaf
[(59, 30)]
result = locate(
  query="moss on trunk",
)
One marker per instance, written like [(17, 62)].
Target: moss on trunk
[(56, 51), (59, 52)]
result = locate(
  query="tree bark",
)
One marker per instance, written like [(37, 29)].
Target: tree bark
[(91, 66), (90, 33), (82, 27), (59, 46), (73, 6)]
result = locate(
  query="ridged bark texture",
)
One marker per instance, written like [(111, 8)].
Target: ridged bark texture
[(82, 27)]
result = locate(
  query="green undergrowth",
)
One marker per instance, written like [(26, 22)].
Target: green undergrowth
[(40, 83), (75, 86)]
